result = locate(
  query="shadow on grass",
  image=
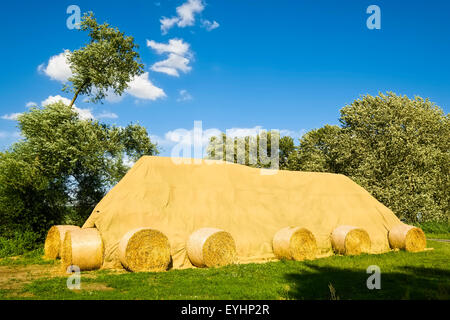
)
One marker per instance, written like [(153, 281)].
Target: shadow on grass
[(404, 283)]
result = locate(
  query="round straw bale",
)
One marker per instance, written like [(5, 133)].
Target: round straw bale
[(54, 240), (349, 240), (211, 247), (294, 243), (144, 249), (82, 248), (407, 238)]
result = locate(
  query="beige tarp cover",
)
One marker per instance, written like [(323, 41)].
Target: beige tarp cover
[(178, 199)]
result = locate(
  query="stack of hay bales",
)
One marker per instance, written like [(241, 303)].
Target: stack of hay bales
[(211, 247), (144, 249), (82, 248), (350, 240), (295, 243), (54, 240), (166, 214), (407, 238)]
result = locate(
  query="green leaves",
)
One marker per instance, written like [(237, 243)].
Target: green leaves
[(63, 166), (106, 64), (395, 147)]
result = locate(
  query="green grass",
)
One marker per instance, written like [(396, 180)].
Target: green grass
[(424, 275), (436, 230), (30, 258)]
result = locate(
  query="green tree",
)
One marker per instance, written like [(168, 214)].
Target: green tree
[(317, 151), (395, 147), (62, 167), (255, 151), (108, 62)]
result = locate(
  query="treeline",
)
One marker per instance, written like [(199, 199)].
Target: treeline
[(395, 147)]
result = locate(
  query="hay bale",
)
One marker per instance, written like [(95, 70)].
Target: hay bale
[(144, 249), (407, 238), (349, 240), (54, 240), (82, 248), (211, 247), (294, 243)]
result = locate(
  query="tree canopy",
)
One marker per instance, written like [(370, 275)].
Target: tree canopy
[(106, 64), (63, 166)]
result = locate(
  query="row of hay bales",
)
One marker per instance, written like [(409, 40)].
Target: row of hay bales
[(146, 249)]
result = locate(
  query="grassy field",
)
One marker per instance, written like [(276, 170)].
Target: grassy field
[(424, 275)]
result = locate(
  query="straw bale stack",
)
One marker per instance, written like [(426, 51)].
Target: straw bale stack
[(295, 243), (211, 247)]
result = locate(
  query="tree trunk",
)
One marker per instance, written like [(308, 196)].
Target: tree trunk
[(76, 94)]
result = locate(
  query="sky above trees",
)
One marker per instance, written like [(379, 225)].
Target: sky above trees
[(239, 64)]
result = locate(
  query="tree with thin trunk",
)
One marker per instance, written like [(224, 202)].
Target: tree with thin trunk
[(105, 65)]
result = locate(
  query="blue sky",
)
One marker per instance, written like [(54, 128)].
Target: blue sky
[(241, 64)]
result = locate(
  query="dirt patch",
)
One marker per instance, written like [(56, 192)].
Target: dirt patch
[(15, 277)]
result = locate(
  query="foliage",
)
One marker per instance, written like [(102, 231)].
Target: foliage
[(20, 243), (62, 167), (395, 147), (255, 151), (106, 64), (317, 151)]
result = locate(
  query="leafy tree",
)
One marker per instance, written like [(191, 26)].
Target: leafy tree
[(317, 151), (255, 151), (108, 62), (62, 167), (395, 147)]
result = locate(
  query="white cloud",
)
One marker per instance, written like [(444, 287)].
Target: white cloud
[(167, 23), (31, 104), (293, 134), (83, 114), (244, 132), (11, 116), (209, 26), (177, 46), (186, 12), (55, 99), (57, 67), (141, 87), (107, 115), (184, 96), (186, 137), (172, 64), (178, 59), (185, 15)]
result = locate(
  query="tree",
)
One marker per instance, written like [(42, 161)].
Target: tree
[(395, 147), (63, 166), (255, 151), (317, 151), (108, 62)]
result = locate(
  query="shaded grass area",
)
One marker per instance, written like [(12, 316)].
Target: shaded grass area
[(424, 275)]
